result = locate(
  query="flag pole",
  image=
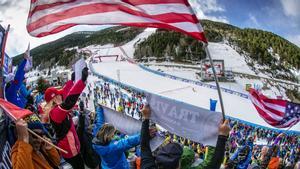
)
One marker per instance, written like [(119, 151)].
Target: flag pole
[(2, 61), (46, 141), (38, 136), (216, 79)]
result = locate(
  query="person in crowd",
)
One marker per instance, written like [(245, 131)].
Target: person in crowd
[(110, 149), (257, 161), (61, 120), (24, 93), (29, 152), (14, 83), (85, 134), (241, 159), (172, 155)]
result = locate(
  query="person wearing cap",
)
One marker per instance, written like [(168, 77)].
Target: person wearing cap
[(108, 147), (61, 119), (29, 152), (173, 156)]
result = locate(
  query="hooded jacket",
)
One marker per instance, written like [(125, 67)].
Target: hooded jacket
[(113, 153)]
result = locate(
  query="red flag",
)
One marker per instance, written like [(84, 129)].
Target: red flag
[(14, 111), (49, 17), (276, 112)]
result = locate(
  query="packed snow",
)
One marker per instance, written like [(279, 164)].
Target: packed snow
[(133, 75)]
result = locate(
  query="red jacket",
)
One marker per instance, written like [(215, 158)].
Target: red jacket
[(60, 115)]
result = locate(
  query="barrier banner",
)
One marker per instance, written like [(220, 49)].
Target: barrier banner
[(7, 65), (128, 125), (192, 81), (188, 121), (2, 33), (6, 141)]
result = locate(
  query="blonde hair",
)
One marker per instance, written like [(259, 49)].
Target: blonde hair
[(46, 107), (106, 133)]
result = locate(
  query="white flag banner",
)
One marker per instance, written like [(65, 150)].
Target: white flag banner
[(128, 125), (29, 64), (188, 121), (78, 67)]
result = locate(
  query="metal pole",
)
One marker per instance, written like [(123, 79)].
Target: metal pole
[(2, 61), (119, 79), (216, 79)]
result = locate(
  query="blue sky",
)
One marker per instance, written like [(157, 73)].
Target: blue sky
[(281, 17), (278, 16)]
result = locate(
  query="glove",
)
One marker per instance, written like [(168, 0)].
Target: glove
[(73, 76), (85, 74), (81, 105)]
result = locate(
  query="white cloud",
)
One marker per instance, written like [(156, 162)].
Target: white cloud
[(253, 21), (294, 39), (291, 7), (14, 12), (204, 8)]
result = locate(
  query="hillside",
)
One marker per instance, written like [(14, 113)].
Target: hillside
[(264, 51), (63, 51)]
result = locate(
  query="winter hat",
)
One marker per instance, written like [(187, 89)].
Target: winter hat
[(51, 92), (187, 157), (169, 155), (34, 122)]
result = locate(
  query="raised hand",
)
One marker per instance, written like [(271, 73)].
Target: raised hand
[(85, 74), (146, 112), (224, 128), (22, 132)]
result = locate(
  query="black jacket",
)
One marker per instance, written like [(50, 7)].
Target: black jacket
[(90, 157), (148, 161)]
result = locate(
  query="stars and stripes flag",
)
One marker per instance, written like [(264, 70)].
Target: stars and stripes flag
[(276, 112), (52, 16)]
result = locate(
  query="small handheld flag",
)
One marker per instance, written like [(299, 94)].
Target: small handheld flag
[(13, 111)]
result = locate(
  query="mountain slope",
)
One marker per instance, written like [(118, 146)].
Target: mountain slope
[(263, 51), (63, 51)]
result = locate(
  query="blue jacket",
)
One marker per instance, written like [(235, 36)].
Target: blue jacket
[(23, 94), (12, 90), (243, 164), (112, 154), (39, 99)]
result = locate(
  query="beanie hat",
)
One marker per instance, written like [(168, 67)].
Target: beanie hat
[(51, 92), (187, 157), (169, 155), (34, 122)]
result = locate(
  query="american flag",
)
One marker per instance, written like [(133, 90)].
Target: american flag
[(276, 112), (52, 16)]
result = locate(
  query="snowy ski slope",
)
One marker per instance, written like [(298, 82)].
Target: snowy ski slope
[(133, 75)]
